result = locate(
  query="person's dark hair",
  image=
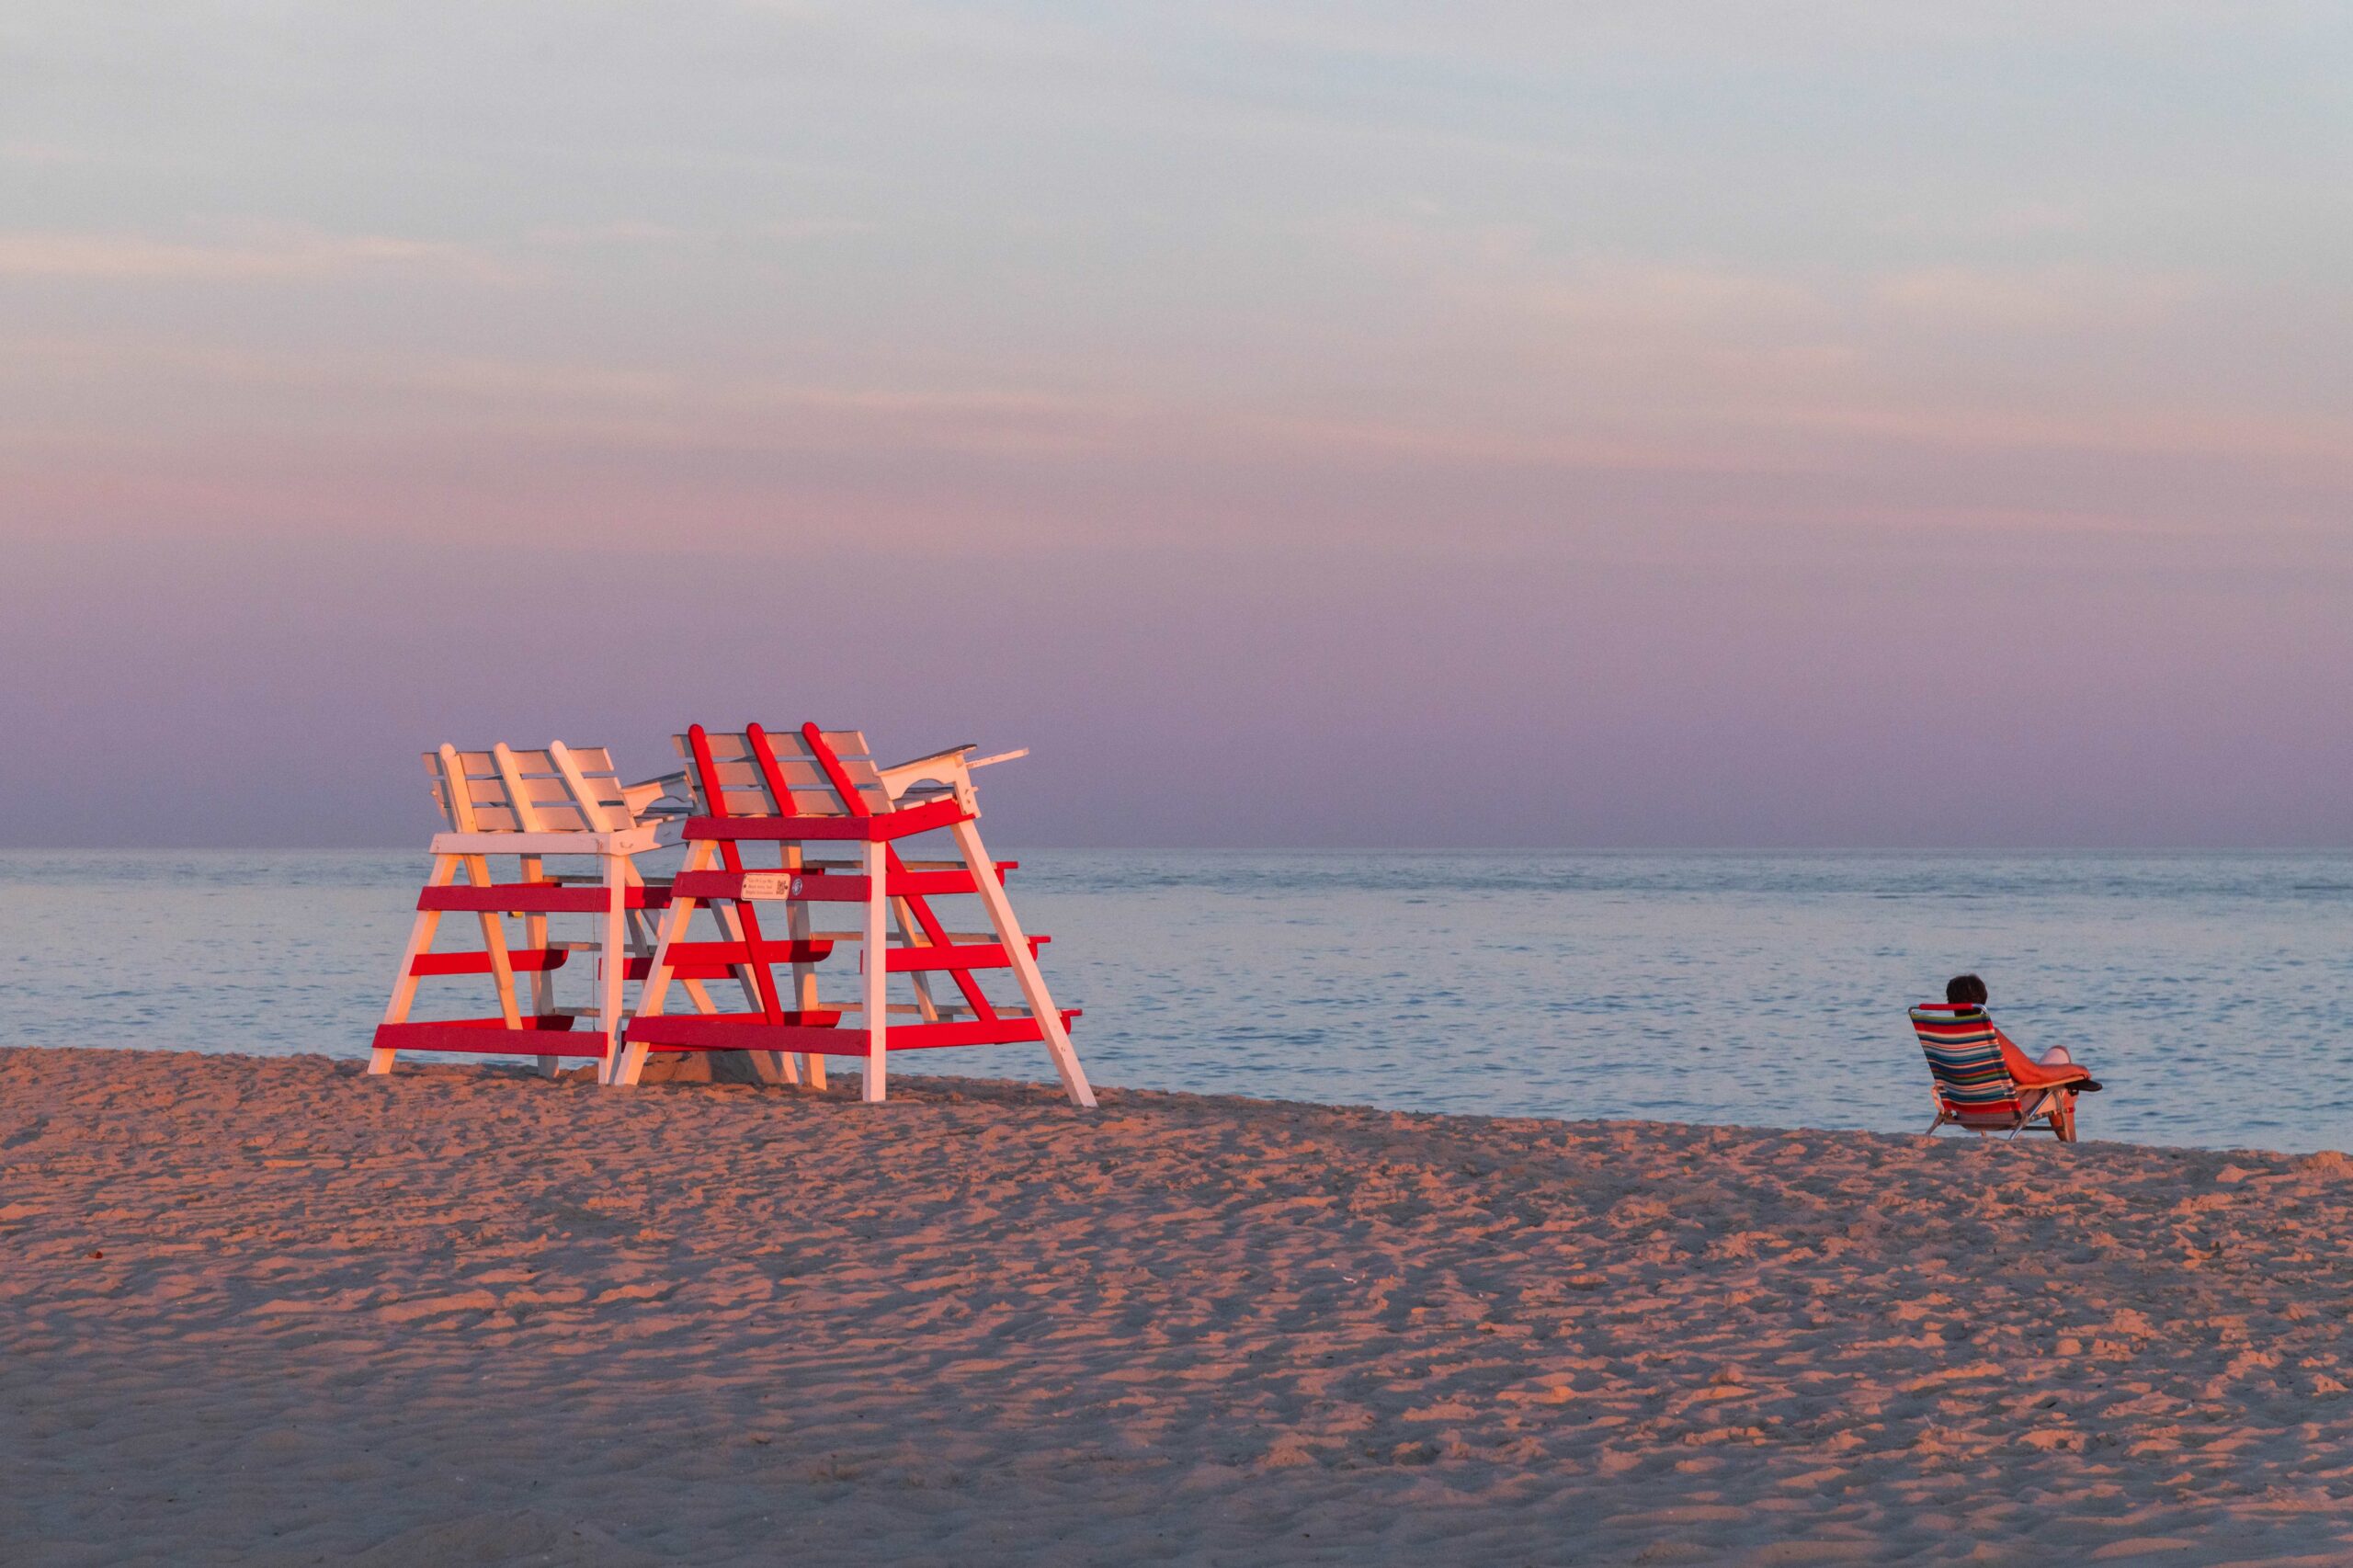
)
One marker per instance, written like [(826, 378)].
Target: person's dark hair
[(1965, 990)]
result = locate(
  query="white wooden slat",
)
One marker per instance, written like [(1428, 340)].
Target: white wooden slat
[(724, 745), (799, 774), (459, 803), (518, 795), (784, 741), (874, 998), (729, 745)]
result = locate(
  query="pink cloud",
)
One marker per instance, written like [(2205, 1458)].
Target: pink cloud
[(278, 255)]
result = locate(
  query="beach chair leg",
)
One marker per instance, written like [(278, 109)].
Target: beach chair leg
[(876, 958), (1025, 965)]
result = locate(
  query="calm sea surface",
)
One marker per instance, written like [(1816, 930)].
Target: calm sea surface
[(2213, 994)]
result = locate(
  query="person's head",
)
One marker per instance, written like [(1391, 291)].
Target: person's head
[(1965, 990)]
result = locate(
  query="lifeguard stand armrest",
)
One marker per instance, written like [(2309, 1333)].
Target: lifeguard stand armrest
[(949, 753), (662, 797), (946, 753)]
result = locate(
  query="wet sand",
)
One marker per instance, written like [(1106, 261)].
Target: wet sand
[(271, 1310)]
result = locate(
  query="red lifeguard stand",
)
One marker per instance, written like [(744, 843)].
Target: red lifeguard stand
[(820, 791), (563, 804)]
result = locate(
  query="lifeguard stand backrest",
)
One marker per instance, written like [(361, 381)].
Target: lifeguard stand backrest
[(559, 789), (742, 784)]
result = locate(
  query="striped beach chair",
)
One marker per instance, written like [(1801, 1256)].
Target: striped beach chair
[(1974, 1086)]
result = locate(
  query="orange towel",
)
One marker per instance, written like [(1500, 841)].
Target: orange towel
[(2028, 1075)]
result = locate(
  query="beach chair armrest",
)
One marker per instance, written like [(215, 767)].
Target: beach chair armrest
[(2050, 1077)]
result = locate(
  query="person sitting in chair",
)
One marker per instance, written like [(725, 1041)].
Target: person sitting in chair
[(2056, 1072)]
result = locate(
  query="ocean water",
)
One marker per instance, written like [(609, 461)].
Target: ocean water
[(2212, 993)]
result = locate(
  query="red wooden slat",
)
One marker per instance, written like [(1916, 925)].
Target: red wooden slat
[(745, 1031), (708, 1031), (522, 960), (825, 887), (533, 898), (836, 774), (955, 956), (537, 898), (925, 818), (756, 741), (491, 1037), (716, 960), (715, 792), (933, 933)]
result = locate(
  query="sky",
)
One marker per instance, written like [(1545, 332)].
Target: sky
[(1712, 425)]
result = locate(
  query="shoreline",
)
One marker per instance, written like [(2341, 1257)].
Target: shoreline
[(264, 1308), (685, 1070)]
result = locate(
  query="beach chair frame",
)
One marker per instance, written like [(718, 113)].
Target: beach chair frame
[(531, 805), (817, 787)]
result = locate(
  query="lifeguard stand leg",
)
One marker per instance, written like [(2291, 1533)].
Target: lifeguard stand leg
[(420, 937), (1025, 964), (877, 1011), (911, 935), (535, 934), (798, 928), (494, 940), (768, 1066), (623, 1065), (612, 961)]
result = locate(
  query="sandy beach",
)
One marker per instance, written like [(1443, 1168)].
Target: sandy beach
[(271, 1310)]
